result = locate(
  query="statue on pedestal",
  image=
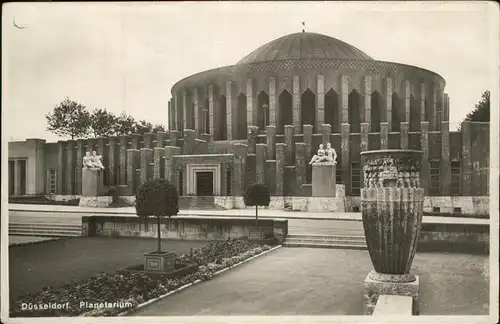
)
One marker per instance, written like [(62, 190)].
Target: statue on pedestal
[(328, 155), (92, 161)]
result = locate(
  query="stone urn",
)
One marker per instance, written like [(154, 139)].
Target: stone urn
[(392, 205)]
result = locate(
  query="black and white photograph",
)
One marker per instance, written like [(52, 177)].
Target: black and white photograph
[(260, 162)]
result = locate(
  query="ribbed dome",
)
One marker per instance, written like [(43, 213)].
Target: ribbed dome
[(304, 46)]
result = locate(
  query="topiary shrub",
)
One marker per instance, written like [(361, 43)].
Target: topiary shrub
[(159, 198), (257, 195)]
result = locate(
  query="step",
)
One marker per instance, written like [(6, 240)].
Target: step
[(43, 234), (325, 246), (325, 237), (44, 225), (322, 241)]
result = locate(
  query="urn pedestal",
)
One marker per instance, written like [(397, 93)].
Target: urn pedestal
[(391, 206), (323, 179)]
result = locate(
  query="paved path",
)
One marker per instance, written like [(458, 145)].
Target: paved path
[(73, 211), (34, 266), (326, 282)]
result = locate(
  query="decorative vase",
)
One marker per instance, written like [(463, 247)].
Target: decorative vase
[(392, 205)]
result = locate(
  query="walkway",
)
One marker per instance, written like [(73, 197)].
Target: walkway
[(326, 282), (249, 212)]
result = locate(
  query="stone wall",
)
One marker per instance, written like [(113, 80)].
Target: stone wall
[(188, 228)]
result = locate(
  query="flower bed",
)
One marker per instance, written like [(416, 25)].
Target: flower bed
[(126, 289)]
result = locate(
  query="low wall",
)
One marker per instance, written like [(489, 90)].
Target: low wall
[(474, 238), (188, 228)]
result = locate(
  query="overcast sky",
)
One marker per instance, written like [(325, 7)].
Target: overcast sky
[(126, 57)]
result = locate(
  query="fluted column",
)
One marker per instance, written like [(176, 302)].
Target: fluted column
[(135, 141), (61, 167), (345, 159), (388, 102), (405, 127), (433, 125), (422, 102), (407, 102), (446, 116), (158, 157), (70, 168), (467, 156), (261, 157), (196, 107), (344, 99), (424, 147), (184, 110), (320, 101), (271, 141), (170, 152), (250, 107), (289, 144), (444, 163), (132, 166), (122, 164), (160, 139), (80, 152), (384, 136), (230, 123), (273, 112), (280, 169), (148, 140), (297, 122), (146, 164), (211, 109), (367, 94), (326, 130), (112, 161), (300, 166)]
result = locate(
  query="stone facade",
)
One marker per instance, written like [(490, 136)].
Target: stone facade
[(292, 104)]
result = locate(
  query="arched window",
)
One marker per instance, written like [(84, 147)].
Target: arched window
[(285, 111), (262, 110), (396, 113), (355, 111), (222, 119), (332, 110), (241, 115), (376, 109), (308, 108)]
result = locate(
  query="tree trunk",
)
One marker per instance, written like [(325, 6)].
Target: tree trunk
[(257, 216), (159, 233)]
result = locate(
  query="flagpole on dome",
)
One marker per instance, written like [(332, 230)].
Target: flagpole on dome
[(304, 29)]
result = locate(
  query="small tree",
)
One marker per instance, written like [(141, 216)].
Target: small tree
[(69, 118), (159, 198), (257, 195), (142, 127)]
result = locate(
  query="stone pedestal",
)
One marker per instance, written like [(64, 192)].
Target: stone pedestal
[(255, 234), (323, 179), (93, 189), (384, 284), (159, 262), (92, 182)]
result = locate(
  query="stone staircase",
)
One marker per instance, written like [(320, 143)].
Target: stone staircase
[(45, 230), (351, 242), (198, 202)]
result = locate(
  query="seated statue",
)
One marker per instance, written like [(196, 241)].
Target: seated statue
[(331, 153), (97, 159), (92, 161), (328, 155)]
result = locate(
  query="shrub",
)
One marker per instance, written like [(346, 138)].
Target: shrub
[(257, 195), (159, 198)]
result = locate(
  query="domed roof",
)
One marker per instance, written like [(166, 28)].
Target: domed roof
[(304, 46)]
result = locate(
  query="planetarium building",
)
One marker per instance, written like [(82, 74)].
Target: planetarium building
[(262, 119)]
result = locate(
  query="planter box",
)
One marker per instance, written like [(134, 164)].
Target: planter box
[(181, 270), (159, 262)]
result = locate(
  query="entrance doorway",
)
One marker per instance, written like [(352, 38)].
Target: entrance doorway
[(205, 183)]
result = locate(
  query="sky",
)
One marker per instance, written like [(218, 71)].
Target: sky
[(125, 57)]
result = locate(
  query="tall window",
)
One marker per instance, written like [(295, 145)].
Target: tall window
[(434, 180), (11, 178), (455, 178), (355, 178)]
